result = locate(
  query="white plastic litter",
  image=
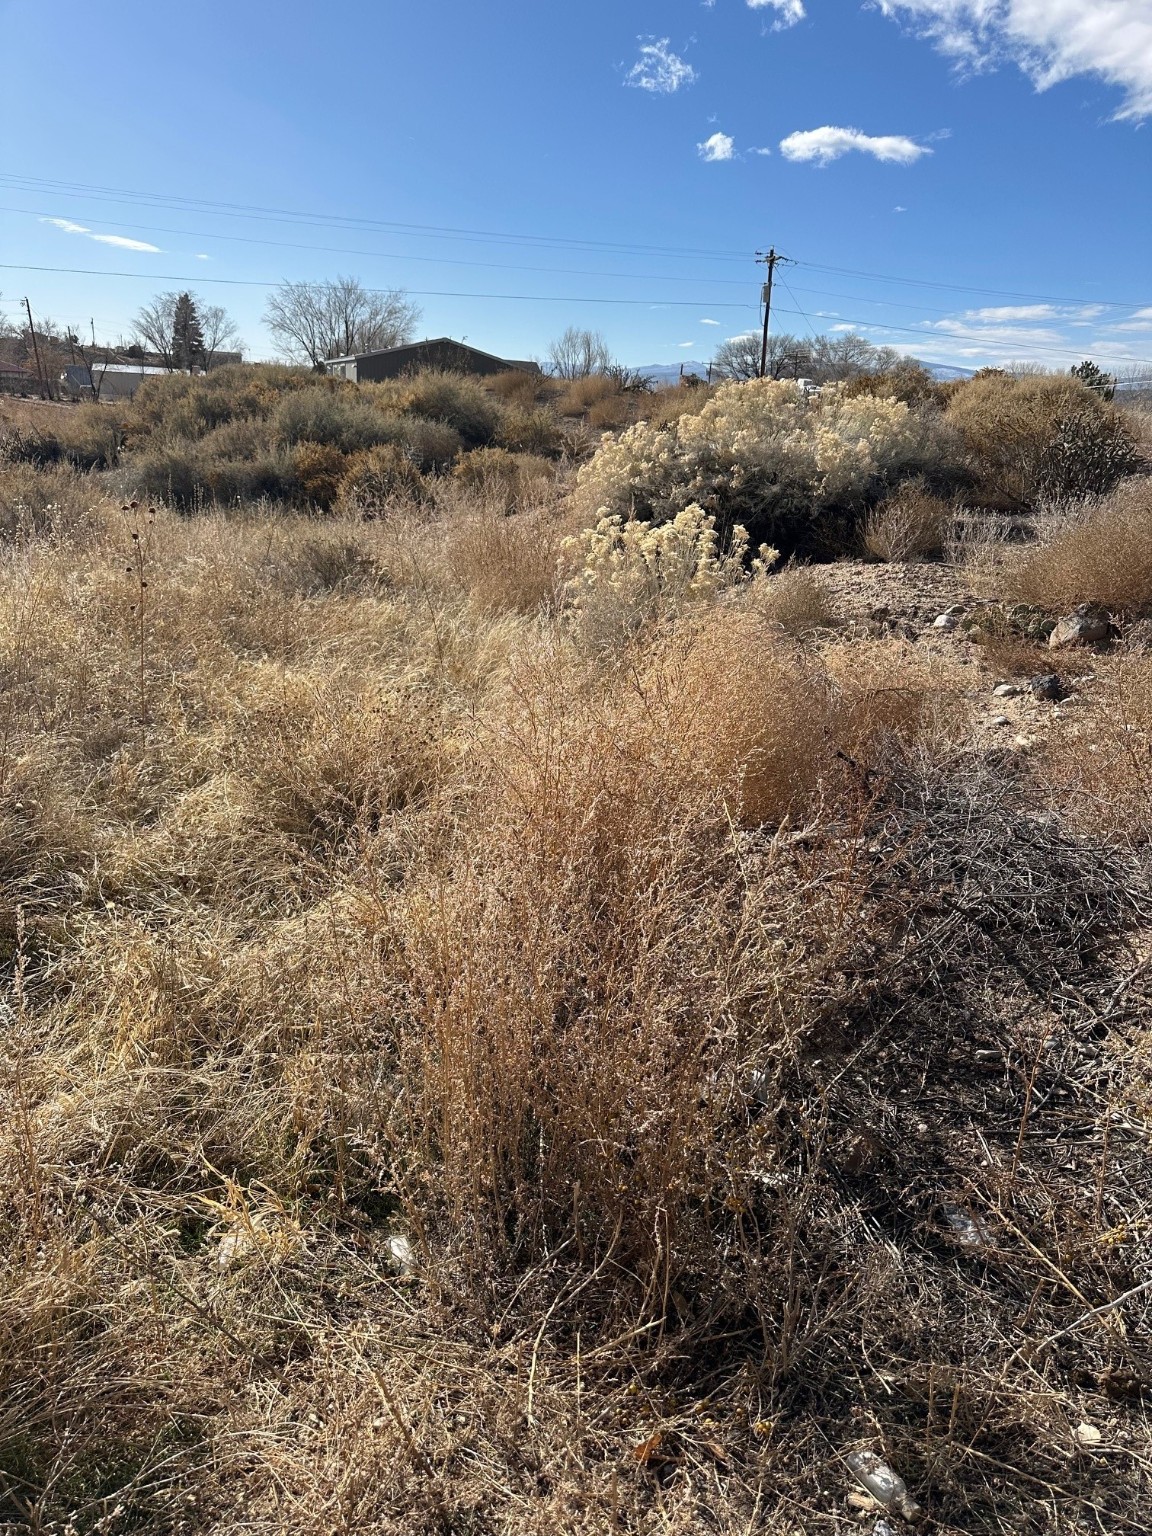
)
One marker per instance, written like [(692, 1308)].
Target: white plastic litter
[(887, 1487)]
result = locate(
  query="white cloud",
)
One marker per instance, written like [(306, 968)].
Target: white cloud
[(202, 256), (721, 146), (759, 151), (121, 242), (685, 343), (709, 322), (1004, 312), (1051, 40), (788, 12), (899, 208), (658, 69), (827, 144)]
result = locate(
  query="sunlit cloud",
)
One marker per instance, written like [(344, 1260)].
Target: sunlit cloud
[(658, 69), (1050, 40), (721, 146), (823, 145), (121, 242)]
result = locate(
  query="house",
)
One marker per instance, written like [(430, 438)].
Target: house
[(15, 379), (443, 353)]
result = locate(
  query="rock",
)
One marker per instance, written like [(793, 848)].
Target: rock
[(944, 621), (1048, 685), (1006, 691), (999, 720), (1088, 1435), (401, 1254), (1086, 625)]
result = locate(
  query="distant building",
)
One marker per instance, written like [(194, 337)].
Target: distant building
[(443, 353), (106, 381), (15, 379)]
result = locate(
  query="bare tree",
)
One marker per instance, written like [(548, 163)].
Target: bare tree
[(739, 357), (316, 321), (848, 354), (577, 354), (219, 332), (152, 328)]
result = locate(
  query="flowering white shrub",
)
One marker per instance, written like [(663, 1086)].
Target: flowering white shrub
[(762, 454), (631, 574)]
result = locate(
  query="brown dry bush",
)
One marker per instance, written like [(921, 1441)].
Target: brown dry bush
[(581, 395), (666, 1002), (667, 405), (520, 388), (1040, 435), (503, 475), (796, 600), (1100, 552), (372, 481), (911, 524), (534, 430), (1101, 762)]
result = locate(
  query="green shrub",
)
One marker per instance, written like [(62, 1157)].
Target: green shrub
[(337, 420), (185, 406), (431, 445), (182, 474), (461, 402), (1039, 436)]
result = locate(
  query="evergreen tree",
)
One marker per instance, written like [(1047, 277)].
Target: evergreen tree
[(187, 334), (1095, 378)]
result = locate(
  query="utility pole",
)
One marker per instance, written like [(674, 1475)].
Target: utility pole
[(36, 350), (770, 262)]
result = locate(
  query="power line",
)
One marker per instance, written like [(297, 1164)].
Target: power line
[(1000, 293), (985, 341), (336, 250), (419, 293), (258, 212)]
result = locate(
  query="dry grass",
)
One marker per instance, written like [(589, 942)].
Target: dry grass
[(650, 995), (797, 601), (1098, 552), (912, 524)]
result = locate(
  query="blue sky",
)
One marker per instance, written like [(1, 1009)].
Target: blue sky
[(968, 180)]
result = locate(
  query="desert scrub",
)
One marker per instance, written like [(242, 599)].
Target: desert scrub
[(508, 477), (763, 455), (911, 524), (1095, 551), (452, 398), (631, 574), (372, 480), (1040, 435)]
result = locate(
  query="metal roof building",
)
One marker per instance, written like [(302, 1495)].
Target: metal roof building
[(443, 353)]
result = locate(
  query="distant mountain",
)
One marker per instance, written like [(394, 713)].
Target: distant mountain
[(944, 371), (668, 373)]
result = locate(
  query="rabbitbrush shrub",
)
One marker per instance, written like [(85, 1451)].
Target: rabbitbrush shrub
[(763, 455)]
